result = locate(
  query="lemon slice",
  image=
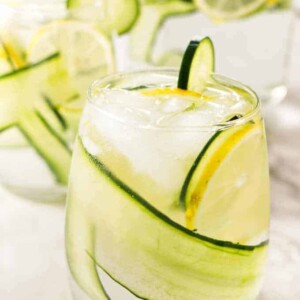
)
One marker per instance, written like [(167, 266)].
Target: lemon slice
[(5, 64), (226, 192), (222, 10), (86, 51), (10, 55), (170, 91)]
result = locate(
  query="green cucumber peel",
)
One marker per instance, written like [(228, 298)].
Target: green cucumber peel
[(52, 118), (127, 13), (141, 201), (20, 109), (113, 278), (151, 19), (204, 150), (197, 65), (50, 129), (48, 145), (121, 15), (9, 102), (6, 127), (83, 268), (88, 239), (55, 111), (30, 66)]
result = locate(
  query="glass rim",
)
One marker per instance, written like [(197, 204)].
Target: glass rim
[(106, 80)]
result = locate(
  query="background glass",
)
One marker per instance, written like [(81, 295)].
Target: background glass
[(254, 49), (47, 61)]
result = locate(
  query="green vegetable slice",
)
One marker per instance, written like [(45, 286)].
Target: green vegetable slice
[(143, 34), (120, 15), (197, 65), (169, 261), (47, 143), (16, 88), (52, 116), (226, 192), (21, 95)]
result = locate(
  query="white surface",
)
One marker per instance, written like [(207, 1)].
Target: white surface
[(32, 258)]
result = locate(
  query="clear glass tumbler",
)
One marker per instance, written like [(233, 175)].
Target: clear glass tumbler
[(47, 61), (169, 191), (254, 49)]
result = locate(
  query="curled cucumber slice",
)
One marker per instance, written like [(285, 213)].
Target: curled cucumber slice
[(197, 65)]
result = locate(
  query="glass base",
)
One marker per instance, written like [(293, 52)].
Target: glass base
[(25, 174), (41, 194)]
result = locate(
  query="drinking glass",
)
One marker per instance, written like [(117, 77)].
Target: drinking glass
[(255, 48), (47, 61), (169, 191)]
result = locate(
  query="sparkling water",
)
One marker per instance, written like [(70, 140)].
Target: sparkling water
[(165, 126)]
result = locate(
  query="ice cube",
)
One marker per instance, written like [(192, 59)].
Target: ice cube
[(175, 105)]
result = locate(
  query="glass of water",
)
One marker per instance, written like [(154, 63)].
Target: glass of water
[(254, 48), (48, 59)]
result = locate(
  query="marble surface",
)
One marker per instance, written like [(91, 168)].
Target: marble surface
[(32, 258), (283, 271)]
